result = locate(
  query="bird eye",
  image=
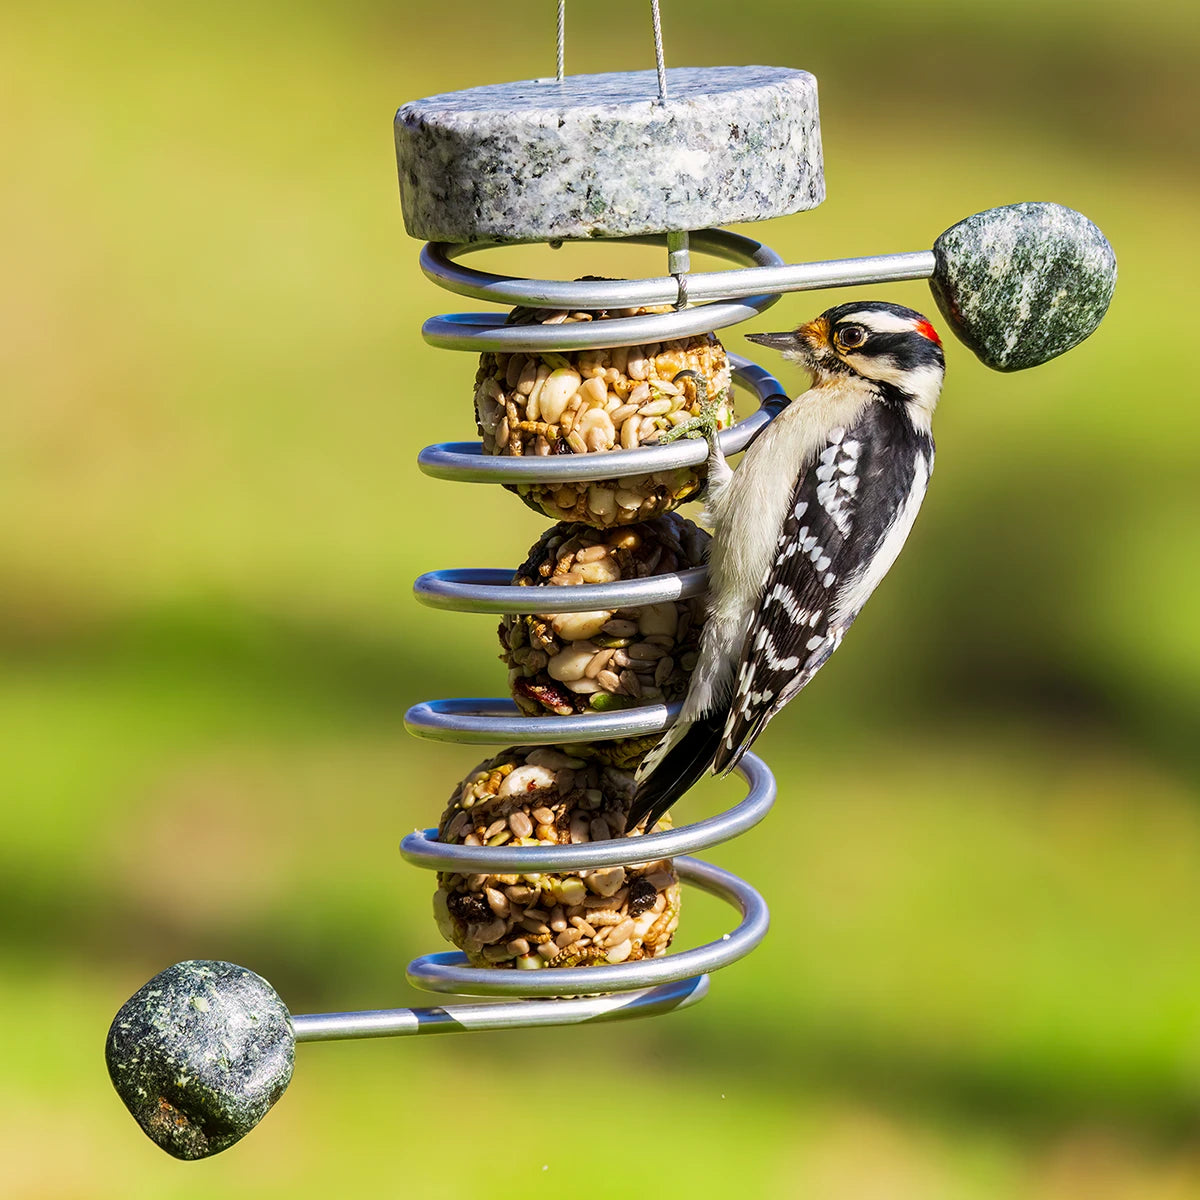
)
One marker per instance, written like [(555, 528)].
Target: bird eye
[(851, 336)]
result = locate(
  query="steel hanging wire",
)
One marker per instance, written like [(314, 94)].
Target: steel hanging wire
[(659, 57), (562, 38)]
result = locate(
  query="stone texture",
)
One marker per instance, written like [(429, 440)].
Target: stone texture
[(1024, 283), (601, 156), (199, 1054)]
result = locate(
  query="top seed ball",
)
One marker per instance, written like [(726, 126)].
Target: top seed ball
[(592, 401)]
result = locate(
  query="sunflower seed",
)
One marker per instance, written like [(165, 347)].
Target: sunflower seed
[(656, 408), (620, 628), (489, 931), (620, 952), (619, 933), (514, 369), (598, 663), (568, 937), (645, 652)]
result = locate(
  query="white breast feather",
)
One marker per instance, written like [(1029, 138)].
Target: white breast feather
[(748, 516)]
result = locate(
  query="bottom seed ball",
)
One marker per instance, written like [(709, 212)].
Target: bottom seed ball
[(545, 797)]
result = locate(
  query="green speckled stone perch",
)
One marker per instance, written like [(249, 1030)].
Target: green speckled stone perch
[(199, 1054), (1022, 284)]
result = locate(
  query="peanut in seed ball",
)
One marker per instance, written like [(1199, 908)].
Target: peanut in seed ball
[(590, 401), (597, 661), (548, 796)]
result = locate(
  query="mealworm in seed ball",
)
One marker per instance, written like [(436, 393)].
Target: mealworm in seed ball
[(591, 401), (606, 659), (626, 753), (546, 796)]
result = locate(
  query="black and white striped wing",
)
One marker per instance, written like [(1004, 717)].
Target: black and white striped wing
[(849, 517)]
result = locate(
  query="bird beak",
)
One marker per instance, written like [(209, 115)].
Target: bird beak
[(805, 341), (775, 341)]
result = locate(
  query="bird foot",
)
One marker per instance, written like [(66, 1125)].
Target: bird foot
[(704, 424)]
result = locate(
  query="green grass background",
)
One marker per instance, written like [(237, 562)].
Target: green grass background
[(983, 977)]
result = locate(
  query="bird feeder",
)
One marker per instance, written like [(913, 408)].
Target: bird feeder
[(558, 910)]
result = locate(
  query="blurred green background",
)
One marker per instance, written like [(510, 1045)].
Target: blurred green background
[(983, 975)]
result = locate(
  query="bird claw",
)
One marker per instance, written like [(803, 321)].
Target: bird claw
[(704, 424)]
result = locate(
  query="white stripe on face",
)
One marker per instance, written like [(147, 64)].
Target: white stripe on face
[(923, 383), (879, 322)]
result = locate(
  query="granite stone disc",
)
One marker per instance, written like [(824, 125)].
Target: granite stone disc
[(199, 1054), (1024, 283), (602, 156)]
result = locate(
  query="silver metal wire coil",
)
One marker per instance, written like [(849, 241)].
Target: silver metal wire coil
[(497, 721), (422, 849), (481, 590), (511, 1014), (465, 462), (445, 972), (487, 331), (718, 298), (492, 721)]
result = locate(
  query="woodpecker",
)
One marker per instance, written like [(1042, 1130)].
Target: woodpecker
[(803, 531)]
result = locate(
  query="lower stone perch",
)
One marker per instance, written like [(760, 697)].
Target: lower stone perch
[(547, 797), (199, 1054)]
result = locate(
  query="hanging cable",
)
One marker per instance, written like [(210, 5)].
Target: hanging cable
[(562, 38), (659, 58)]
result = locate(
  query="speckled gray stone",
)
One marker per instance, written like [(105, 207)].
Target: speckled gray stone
[(200, 1054), (600, 156), (1024, 283)]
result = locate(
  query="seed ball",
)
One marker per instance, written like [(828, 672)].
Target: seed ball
[(563, 919), (598, 661), (591, 401)]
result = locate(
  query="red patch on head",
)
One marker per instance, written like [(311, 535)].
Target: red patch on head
[(926, 330)]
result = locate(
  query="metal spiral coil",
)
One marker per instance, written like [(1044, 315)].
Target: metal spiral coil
[(677, 977)]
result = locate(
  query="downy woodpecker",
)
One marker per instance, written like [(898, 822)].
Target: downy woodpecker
[(803, 532)]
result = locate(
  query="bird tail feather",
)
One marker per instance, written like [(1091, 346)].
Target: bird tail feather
[(727, 757), (676, 763)]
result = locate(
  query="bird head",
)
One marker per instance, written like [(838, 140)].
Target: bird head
[(886, 344)]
